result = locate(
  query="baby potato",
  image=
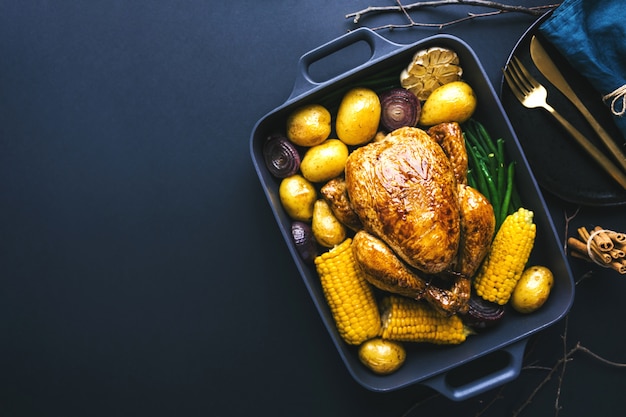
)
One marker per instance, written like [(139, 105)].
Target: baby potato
[(451, 102), (532, 289), (309, 125), (382, 356), (297, 196), (358, 116), (324, 161), (327, 230)]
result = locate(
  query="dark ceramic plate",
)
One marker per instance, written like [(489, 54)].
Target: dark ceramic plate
[(560, 166)]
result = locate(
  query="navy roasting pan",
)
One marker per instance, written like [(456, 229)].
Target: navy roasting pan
[(447, 369)]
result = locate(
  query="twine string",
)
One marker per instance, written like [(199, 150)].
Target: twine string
[(591, 253), (617, 97)]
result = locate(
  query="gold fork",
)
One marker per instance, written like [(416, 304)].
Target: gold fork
[(532, 95)]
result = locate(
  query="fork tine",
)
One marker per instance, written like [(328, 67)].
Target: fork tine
[(531, 80), (518, 72), (513, 85), (515, 80)]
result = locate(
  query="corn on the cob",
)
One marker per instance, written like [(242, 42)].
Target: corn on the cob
[(408, 320), (349, 296), (507, 257)]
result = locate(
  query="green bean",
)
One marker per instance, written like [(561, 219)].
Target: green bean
[(482, 133), (471, 181), (493, 164), (495, 200), (506, 202), (502, 179), (480, 178), (474, 142), (494, 176), (500, 147), (472, 134)]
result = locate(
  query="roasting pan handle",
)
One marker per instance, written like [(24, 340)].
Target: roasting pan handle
[(379, 48), (485, 383)]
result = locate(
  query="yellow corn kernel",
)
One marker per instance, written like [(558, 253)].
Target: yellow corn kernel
[(408, 320), (507, 257), (349, 296)]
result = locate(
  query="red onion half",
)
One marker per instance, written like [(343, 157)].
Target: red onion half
[(281, 156), (304, 240), (399, 108), (482, 314)]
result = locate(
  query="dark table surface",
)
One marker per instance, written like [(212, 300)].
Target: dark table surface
[(142, 272)]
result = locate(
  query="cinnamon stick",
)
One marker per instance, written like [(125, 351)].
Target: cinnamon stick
[(584, 234), (617, 237), (577, 245), (580, 255), (606, 248), (620, 246), (603, 241), (617, 253), (619, 267)]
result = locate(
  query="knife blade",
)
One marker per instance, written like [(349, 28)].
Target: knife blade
[(548, 68)]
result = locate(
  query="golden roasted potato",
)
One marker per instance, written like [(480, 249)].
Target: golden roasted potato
[(297, 196), (532, 289), (452, 102), (382, 356), (325, 161), (309, 125), (327, 230), (358, 116)]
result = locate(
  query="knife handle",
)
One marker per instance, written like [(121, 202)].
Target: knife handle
[(594, 152), (549, 69), (606, 139)]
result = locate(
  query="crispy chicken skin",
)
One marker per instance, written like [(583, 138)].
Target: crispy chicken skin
[(478, 224), (384, 270), (450, 137), (382, 267), (336, 195), (404, 191), (424, 230), (452, 300)]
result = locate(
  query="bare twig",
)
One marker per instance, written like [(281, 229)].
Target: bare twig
[(536, 368), (418, 404), (566, 358), (599, 358), (496, 397), (562, 363), (568, 219), (557, 407), (405, 12), (499, 8), (543, 382), (559, 364), (584, 276), (413, 23)]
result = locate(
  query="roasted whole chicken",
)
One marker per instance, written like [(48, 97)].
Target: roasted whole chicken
[(423, 231)]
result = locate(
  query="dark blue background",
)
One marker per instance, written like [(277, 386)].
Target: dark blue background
[(141, 270)]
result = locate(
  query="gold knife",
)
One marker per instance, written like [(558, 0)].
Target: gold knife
[(547, 67)]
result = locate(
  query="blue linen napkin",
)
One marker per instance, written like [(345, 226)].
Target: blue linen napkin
[(591, 34)]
